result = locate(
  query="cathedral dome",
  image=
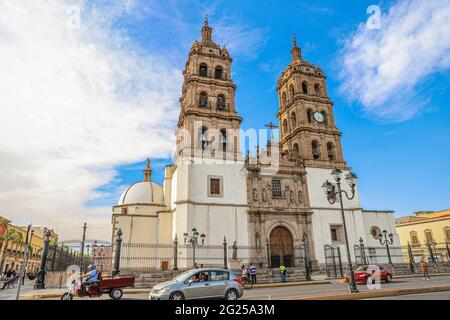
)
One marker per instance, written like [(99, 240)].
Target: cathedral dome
[(145, 192)]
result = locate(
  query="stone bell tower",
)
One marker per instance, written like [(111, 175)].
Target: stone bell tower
[(305, 115), (208, 120), (208, 180)]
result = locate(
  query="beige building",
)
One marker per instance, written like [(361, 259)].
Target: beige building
[(13, 252), (426, 228)]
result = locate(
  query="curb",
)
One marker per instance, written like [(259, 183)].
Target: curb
[(41, 296), (379, 293), (291, 284), (407, 276)]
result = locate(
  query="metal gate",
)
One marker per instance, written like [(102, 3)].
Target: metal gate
[(333, 262)]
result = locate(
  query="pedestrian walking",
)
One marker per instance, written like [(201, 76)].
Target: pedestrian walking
[(426, 276), (252, 270), (283, 272), (411, 268)]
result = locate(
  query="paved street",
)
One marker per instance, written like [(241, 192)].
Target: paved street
[(297, 292)]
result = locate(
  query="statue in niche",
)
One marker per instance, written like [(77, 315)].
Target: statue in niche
[(300, 197), (255, 194), (291, 196), (264, 195)]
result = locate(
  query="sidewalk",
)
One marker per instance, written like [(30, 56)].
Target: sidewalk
[(10, 294)]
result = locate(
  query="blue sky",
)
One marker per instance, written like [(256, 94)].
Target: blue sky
[(403, 165), (90, 90)]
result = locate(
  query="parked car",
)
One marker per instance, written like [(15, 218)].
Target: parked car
[(362, 274), (199, 284)]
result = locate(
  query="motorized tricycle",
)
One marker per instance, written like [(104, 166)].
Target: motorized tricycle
[(112, 285)]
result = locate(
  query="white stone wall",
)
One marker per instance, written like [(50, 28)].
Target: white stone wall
[(315, 178), (322, 219), (358, 222), (214, 216)]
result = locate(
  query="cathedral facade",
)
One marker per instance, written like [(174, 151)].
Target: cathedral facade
[(273, 197)]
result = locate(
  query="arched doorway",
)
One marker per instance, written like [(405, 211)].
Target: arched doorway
[(281, 247)]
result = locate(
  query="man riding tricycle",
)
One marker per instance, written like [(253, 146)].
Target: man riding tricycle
[(95, 285)]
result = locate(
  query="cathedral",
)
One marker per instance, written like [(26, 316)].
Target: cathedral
[(275, 196)]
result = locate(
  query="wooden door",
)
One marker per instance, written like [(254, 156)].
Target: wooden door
[(281, 247)]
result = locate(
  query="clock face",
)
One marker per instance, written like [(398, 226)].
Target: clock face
[(318, 117)]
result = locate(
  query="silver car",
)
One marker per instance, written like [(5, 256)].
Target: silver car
[(199, 284)]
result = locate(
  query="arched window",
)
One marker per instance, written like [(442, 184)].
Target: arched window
[(330, 151), (203, 99), (325, 120), (309, 115), (291, 91), (305, 87), (203, 70), (315, 150), (285, 127), (317, 90), (296, 151), (293, 120), (283, 99), (221, 102), (223, 139), (218, 72), (203, 137)]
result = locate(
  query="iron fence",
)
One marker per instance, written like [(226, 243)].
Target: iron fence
[(432, 253), (143, 257), (60, 257)]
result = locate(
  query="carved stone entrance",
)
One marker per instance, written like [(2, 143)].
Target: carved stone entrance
[(281, 247)]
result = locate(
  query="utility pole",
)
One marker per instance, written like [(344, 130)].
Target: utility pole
[(24, 264)]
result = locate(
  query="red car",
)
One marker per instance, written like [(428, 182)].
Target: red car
[(362, 274)]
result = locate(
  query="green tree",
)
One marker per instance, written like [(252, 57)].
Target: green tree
[(9, 237)]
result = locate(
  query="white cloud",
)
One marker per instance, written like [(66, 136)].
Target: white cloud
[(387, 69), (74, 104)]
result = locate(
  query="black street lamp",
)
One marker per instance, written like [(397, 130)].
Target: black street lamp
[(332, 195), (40, 282), (386, 240), (192, 241)]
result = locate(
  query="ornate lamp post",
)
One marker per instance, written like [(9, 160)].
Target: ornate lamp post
[(306, 258), (386, 240), (332, 195), (192, 241), (40, 281)]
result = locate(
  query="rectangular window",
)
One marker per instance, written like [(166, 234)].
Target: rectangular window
[(215, 186), (219, 276), (447, 234), (334, 234), (429, 236), (276, 189), (414, 240)]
